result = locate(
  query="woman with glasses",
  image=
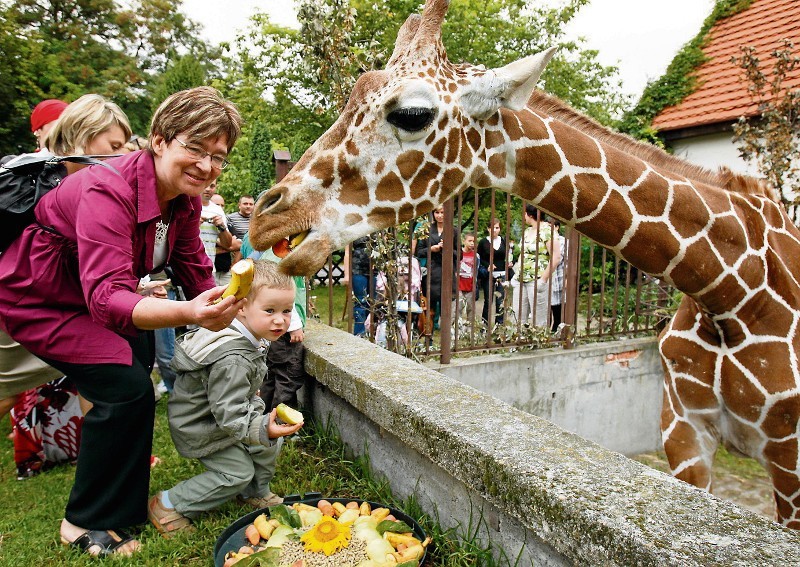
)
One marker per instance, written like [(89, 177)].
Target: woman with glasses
[(69, 296)]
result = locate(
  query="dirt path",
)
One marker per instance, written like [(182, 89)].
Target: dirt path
[(737, 479)]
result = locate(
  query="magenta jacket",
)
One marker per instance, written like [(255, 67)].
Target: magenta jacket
[(70, 296)]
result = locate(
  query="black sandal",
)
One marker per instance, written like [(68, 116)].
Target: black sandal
[(107, 540)]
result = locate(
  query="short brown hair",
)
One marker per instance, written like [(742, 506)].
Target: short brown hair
[(267, 275), (199, 113)]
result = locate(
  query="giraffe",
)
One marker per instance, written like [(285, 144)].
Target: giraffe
[(415, 134)]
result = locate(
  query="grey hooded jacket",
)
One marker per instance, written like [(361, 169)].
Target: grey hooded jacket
[(215, 403)]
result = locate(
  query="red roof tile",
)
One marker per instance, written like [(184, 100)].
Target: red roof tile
[(722, 93)]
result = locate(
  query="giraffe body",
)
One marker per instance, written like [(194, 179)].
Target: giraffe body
[(417, 133)]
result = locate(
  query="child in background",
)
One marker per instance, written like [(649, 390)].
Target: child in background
[(467, 276), (216, 414)]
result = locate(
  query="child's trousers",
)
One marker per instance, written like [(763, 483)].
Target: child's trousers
[(236, 470)]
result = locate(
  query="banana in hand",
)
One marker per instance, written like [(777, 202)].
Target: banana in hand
[(241, 280)]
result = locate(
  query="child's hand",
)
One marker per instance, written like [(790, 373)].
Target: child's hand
[(275, 430)]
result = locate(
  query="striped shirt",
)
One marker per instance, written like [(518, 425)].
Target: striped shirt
[(557, 278), (238, 225)]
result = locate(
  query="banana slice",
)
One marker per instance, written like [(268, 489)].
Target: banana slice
[(241, 280)]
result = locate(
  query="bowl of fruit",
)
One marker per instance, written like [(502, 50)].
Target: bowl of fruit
[(312, 531)]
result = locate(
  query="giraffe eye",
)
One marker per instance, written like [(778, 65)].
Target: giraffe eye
[(411, 118)]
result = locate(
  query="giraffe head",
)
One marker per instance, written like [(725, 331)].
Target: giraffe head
[(410, 137)]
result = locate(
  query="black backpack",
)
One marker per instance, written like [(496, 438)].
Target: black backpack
[(24, 180)]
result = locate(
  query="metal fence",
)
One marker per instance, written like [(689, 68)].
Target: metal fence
[(603, 297)]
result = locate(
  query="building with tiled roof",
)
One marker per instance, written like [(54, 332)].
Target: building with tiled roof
[(699, 128)]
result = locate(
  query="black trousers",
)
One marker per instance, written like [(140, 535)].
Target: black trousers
[(285, 374), (112, 477), (497, 294)]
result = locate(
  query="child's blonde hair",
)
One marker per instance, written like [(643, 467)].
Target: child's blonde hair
[(267, 275)]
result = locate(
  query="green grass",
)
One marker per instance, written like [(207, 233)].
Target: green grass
[(330, 305), (315, 462)]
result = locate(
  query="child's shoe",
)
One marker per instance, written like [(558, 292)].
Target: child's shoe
[(259, 502), (168, 521)]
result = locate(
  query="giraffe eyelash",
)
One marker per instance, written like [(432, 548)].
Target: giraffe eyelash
[(411, 118)]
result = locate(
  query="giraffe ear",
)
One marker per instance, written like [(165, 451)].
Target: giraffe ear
[(522, 76), (510, 86)]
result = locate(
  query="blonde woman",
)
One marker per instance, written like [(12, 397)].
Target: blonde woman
[(85, 317), (92, 125), (45, 417), (540, 253)]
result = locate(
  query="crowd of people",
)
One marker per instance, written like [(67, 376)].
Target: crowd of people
[(516, 283)]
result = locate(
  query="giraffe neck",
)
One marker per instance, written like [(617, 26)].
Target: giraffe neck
[(686, 232)]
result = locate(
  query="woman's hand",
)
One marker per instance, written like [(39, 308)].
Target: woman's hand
[(214, 316)]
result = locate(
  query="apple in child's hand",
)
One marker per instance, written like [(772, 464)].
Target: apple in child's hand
[(289, 415), (282, 248)]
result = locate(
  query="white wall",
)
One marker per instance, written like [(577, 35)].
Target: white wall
[(713, 151)]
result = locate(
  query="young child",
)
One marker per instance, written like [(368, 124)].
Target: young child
[(216, 414), (467, 275)]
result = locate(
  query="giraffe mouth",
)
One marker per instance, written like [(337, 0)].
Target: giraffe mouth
[(284, 247)]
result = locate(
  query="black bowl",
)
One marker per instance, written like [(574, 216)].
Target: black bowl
[(232, 538)]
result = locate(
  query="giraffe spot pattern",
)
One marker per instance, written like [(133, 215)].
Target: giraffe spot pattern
[(656, 244), (322, 169), (535, 165), (579, 150), (769, 358), (390, 188), (624, 171), (408, 163), (651, 197), (699, 266)]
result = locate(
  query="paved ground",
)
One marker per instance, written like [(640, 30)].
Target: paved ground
[(737, 479)]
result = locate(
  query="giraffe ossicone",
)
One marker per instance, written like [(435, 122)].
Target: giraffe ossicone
[(417, 133)]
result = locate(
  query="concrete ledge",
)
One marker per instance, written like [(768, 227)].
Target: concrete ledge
[(540, 491)]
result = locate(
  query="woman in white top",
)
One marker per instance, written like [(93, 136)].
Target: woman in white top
[(540, 253)]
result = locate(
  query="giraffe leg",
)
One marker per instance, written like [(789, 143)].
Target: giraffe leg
[(691, 411), (781, 459)]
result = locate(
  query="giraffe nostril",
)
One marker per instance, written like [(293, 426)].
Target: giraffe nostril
[(268, 201)]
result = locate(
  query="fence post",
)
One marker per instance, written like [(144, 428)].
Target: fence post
[(571, 291), (446, 304)]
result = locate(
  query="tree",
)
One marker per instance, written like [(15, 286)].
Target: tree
[(770, 138), (263, 169), (64, 49), (185, 72)]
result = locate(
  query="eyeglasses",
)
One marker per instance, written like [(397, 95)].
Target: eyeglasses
[(200, 154)]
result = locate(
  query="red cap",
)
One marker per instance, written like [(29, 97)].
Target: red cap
[(45, 112)]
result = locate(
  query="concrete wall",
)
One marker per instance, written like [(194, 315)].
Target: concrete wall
[(540, 493), (609, 393)]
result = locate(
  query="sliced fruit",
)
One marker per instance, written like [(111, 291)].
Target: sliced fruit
[(289, 415), (241, 280), (297, 239), (282, 248)]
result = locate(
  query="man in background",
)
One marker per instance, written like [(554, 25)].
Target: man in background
[(239, 223), (224, 255), (213, 226)]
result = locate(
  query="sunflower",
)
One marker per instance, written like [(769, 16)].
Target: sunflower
[(327, 536)]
